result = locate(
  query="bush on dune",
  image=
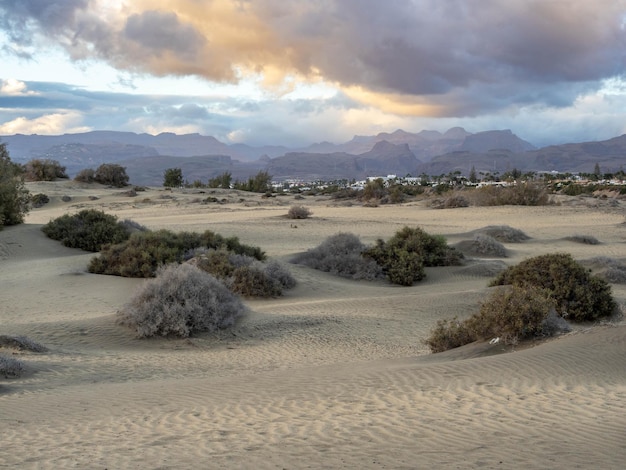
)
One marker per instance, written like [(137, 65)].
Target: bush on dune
[(578, 294), (342, 255), (404, 256), (179, 301), (10, 367), (510, 314), (88, 230)]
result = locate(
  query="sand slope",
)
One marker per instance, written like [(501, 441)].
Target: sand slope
[(332, 375)]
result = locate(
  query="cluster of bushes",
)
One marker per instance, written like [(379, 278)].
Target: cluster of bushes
[(535, 297), (522, 194), (143, 252), (110, 174), (244, 274), (44, 170), (14, 197), (405, 255), (387, 193), (89, 229), (402, 258)]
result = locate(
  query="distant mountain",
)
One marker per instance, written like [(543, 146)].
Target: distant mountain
[(147, 156)]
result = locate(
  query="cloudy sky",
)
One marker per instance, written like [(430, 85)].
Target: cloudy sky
[(295, 72)]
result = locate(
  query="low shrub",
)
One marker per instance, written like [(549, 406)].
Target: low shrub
[(578, 294), (299, 212), (10, 367), (179, 301), (584, 239), (89, 230), (452, 202), (504, 233), (39, 200), (243, 274), (404, 256), (510, 314), (111, 174), (486, 246), (88, 175), (342, 255), (21, 343)]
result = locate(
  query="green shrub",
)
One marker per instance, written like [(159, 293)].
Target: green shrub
[(510, 314), (404, 256), (14, 197), (299, 212), (342, 255), (143, 252), (39, 200), (579, 295), (111, 174), (89, 230), (180, 301)]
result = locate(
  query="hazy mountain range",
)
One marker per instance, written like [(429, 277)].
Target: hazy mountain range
[(201, 157)]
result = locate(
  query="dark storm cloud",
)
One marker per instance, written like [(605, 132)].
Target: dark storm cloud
[(458, 57)]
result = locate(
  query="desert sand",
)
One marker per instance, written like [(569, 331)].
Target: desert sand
[(334, 374)]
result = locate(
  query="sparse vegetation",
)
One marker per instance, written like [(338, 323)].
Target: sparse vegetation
[(404, 256), (21, 343), (342, 255), (299, 212), (522, 194), (483, 245), (180, 301), (578, 295)]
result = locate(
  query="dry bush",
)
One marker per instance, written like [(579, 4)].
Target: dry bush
[(44, 170), (299, 212), (486, 245), (510, 314), (584, 239), (504, 233), (579, 295), (342, 255), (244, 274), (610, 269), (180, 301), (522, 194), (10, 367), (251, 281), (87, 175), (451, 202)]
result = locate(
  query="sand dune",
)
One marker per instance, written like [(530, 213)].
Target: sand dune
[(332, 375)]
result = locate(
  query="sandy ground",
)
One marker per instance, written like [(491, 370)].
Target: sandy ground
[(334, 374)]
